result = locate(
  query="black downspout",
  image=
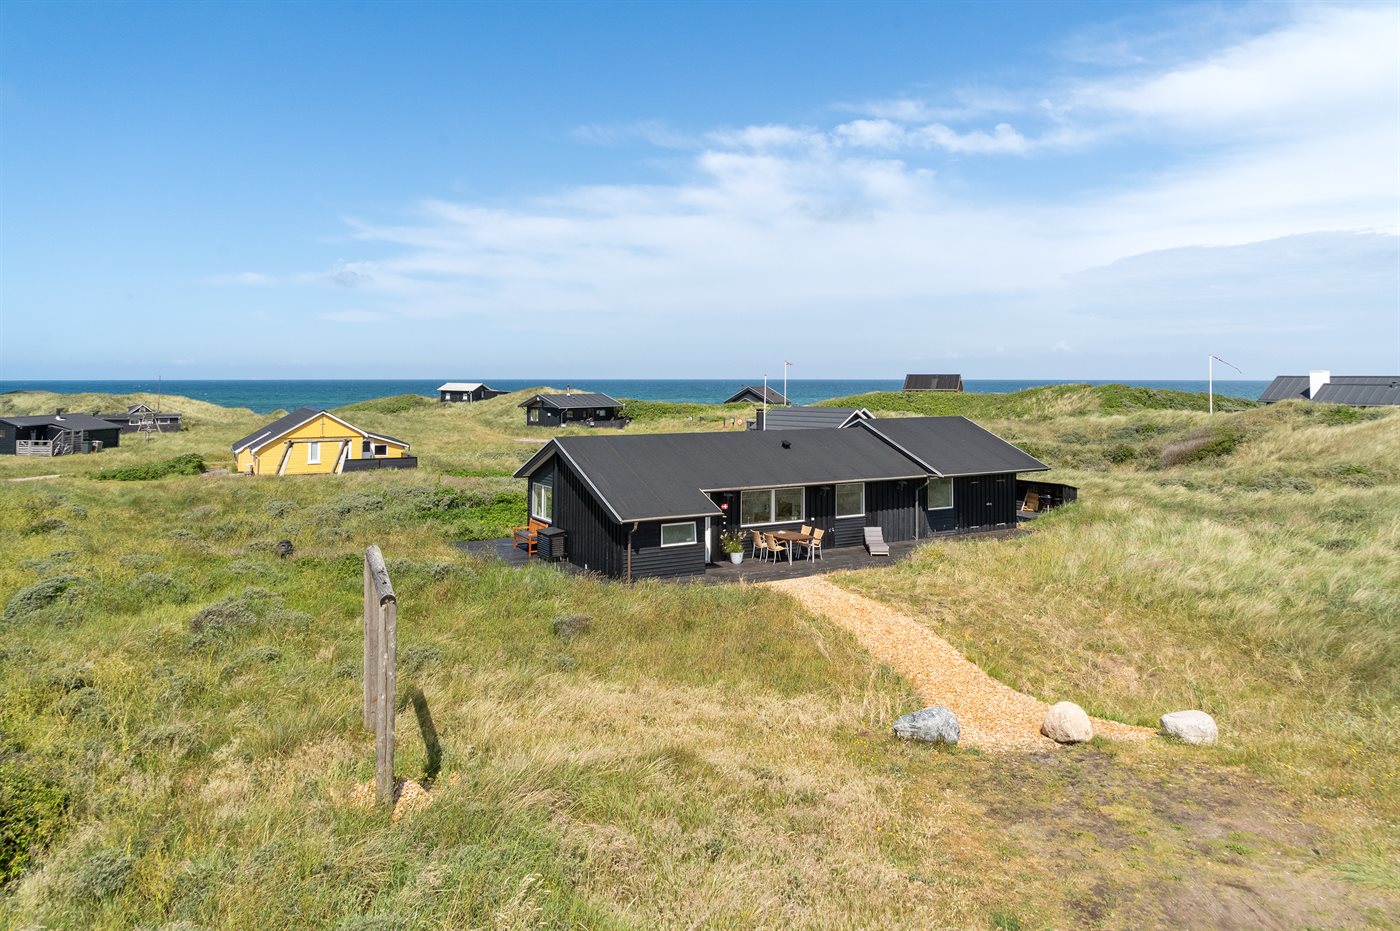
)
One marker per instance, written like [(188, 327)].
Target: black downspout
[(635, 525)]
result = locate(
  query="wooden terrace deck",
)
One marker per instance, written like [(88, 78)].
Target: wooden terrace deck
[(834, 559)]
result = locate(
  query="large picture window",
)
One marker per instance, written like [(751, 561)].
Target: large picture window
[(850, 500), (940, 493), (771, 506), (542, 502), (678, 534)]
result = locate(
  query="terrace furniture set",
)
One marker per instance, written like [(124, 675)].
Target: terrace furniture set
[(772, 545)]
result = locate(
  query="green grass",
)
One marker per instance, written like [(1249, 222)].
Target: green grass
[(180, 736)]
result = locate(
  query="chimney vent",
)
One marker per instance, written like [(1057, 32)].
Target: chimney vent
[(787, 444), (1316, 379)]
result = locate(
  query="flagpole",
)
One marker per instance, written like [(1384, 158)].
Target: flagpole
[(765, 400), (786, 400), (1210, 377)]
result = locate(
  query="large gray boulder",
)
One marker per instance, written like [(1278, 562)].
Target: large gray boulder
[(1192, 727), (935, 724), (1067, 723)]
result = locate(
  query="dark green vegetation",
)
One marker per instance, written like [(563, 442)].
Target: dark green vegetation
[(188, 464), (180, 735)]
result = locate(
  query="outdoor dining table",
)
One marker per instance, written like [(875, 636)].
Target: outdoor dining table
[(791, 537)]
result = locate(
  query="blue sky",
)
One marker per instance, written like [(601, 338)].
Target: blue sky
[(647, 190)]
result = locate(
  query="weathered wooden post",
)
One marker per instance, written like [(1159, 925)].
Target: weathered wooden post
[(381, 656)]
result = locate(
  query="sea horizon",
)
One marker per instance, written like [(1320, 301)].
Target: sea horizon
[(264, 395)]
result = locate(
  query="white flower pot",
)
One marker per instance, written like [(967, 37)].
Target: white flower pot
[(736, 558)]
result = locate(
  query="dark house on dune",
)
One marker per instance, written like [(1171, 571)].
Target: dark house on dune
[(580, 408), (138, 414), (933, 383), (468, 391), (56, 434), (808, 418), (757, 394), (1326, 388), (654, 506)]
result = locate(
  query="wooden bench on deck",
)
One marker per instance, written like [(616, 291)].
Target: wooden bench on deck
[(527, 537)]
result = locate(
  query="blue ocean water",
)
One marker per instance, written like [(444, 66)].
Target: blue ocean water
[(265, 395)]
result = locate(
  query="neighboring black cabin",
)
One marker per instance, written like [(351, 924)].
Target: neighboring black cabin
[(933, 383), (580, 408), (56, 434), (654, 506), (757, 394), (136, 414), (466, 391)]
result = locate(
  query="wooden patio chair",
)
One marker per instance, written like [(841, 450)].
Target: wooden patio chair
[(807, 530), (875, 542), (1032, 502), (814, 545), (776, 547), (759, 544), (527, 537)]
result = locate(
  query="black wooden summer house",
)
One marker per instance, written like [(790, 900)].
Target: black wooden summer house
[(56, 434), (654, 506), (580, 408)]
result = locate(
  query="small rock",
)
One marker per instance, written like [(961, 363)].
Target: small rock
[(936, 724), (1067, 723), (568, 626), (1192, 727)]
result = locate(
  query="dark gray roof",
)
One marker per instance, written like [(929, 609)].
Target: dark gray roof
[(575, 400), (133, 411), (1286, 388), (951, 445), (66, 421), (663, 475), (756, 393), (933, 382), (278, 427), (1360, 390), (666, 474), (812, 418)]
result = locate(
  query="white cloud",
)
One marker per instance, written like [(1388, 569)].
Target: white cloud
[(772, 224)]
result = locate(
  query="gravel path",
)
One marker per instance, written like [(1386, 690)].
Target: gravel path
[(992, 716)]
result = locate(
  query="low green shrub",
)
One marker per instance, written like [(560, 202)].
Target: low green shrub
[(42, 594), (32, 813), (1120, 454), (188, 464)]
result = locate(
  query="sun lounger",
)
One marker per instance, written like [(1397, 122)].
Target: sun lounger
[(875, 542)]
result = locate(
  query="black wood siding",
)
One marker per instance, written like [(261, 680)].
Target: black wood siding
[(985, 501), (650, 560), (595, 541), (7, 439)]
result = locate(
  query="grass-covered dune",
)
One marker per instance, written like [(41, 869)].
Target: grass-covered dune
[(180, 742)]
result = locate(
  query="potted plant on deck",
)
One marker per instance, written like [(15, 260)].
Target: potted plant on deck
[(732, 542)]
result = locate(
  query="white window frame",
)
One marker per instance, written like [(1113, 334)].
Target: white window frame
[(861, 512), (773, 506), (535, 497), (313, 453), (928, 498), (694, 537)]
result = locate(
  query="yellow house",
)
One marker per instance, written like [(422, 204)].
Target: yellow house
[(312, 442)]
